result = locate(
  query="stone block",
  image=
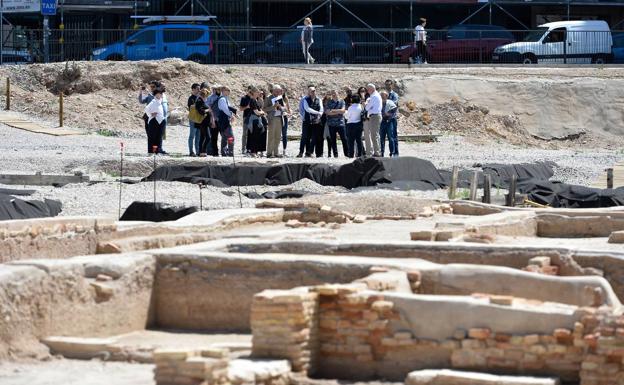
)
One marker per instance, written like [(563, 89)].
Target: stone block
[(382, 306), (479, 333)]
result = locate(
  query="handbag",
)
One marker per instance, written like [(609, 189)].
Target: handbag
[(194, 115)]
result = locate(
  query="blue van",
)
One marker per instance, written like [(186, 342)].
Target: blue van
[(185, 41)]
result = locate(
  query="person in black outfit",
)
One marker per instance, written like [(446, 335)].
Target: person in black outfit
[(257, 131), (193, 139), (313, 111), (204, 126)]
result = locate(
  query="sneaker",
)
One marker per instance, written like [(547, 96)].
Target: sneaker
[(300, 155), (308, 155), (192, 154)]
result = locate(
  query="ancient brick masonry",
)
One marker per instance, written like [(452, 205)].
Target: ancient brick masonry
[(345, 330), (191, 367), (604, 362), (285, 325)]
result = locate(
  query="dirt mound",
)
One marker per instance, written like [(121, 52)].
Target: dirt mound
[(465, 119), (102, 96)]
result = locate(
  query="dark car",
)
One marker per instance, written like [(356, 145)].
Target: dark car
[(330, 46), (618, 47), (463, 43)]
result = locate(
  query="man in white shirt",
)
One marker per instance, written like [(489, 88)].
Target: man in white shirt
[(420, 39), (155, 122), (371, 125), (313, 111)]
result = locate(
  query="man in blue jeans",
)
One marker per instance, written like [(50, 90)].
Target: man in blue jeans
[(388, 125), (392, 95), (193, 139)]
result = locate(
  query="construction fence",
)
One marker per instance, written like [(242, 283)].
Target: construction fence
[(335, 46)]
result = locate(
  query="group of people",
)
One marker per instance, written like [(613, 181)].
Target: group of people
[(367, 113)]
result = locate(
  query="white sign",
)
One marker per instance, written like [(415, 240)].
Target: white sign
[(21, 6)]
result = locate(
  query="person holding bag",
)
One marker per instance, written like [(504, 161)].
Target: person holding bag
[(206, 122), (194, 120)]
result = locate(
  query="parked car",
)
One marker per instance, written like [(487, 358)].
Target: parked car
[(467, 43), (10, 56), (185, 41), (618, 47), (330, 46), (582, 41)]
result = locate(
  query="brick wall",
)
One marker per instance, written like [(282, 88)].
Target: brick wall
[(344, 331), (284, 324), (190, 367)]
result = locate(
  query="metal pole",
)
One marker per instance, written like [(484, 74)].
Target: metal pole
[(490, 2), (61, 109), (46, 39), (330, 12), (231, 143), (411, 14), (8, 94), (120, 176), (154, 150), (568, 10), (1, 32), (511, 197), (609, 178)]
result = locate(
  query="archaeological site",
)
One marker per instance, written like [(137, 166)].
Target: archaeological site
[(490, 252)]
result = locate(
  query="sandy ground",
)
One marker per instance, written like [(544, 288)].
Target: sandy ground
[(74, 372), (23, 152)]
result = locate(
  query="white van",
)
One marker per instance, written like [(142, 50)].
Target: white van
[(583, 41)]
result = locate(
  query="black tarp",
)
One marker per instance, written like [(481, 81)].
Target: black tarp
[(155, 212), (15, 208), (405, 173), (556, 194)]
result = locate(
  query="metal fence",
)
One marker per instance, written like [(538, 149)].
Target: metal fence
[(336, 46)]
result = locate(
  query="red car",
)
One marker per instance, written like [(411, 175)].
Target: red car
[(463, 43)]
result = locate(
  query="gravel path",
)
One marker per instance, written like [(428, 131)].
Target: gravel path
[(97, 156)]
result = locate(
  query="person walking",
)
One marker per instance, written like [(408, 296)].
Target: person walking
[(336, 123), (373, 121), (193, 138), (307, 39), (225, 112), (254, 124), (207, 121), (420, 39), (155, 121), (354, 128), (274, 106), (313, 111), (388, 124)]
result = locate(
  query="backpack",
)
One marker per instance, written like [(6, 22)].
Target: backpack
[(194, 115), (214, 107)]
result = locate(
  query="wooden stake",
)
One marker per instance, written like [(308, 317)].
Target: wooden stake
[(61, 109), (8, 94), (511, 197), (487, 187), (474, 184), (609, 178), (453, 187)]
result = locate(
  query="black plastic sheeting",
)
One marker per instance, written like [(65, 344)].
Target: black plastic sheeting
[(360, 172), (556, 194), (15, 208), (276, 194), (155, 212), (405, 173)]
